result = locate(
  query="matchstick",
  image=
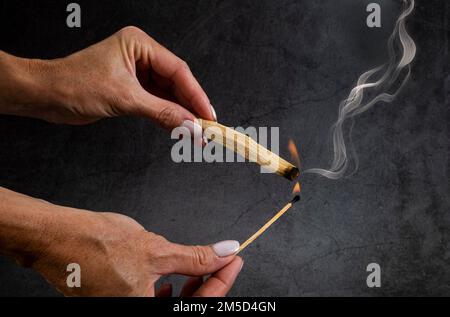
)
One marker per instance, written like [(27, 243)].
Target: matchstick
[(268, 224), (249, 149)]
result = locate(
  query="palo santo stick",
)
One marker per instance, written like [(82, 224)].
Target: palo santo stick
[(268, 224), (248, 148)]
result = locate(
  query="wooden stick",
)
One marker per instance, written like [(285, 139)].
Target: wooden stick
[(266, 226), (248, 148)]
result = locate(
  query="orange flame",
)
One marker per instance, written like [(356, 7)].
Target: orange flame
[(296, 158), (297, 189), (294, 152)]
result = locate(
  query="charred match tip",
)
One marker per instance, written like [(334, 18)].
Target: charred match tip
[(292, 174), (295, 199)]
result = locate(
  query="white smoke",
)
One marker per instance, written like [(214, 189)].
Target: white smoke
[(355, 104)]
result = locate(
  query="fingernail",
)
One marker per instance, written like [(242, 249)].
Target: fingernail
[(226, 248), (242, 265), (196, 131), (213, 112)]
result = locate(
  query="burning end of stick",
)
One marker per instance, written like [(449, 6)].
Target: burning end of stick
[(292, 173), (296, 158)]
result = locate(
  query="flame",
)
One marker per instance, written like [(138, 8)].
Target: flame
[(296, 158), (294, 153), (297, 189)]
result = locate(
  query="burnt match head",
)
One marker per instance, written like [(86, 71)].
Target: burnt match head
[(295, 199)]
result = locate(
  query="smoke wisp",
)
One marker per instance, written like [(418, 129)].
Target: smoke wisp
[(402, 50)]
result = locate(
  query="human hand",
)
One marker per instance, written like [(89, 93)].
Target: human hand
[(118, 257), (128, 74)]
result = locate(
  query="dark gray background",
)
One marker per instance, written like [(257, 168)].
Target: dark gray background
[(263, 63)]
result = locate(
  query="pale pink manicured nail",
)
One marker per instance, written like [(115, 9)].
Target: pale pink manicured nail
[(196, 131), (242, 265), (213, 112), (226, 248)]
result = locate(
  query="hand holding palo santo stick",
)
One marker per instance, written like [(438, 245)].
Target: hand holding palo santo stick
[(248, 148)]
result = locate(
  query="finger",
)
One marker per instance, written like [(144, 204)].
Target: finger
[(165, 290), (220, 283), (166, 113), (197, 260), (191, 285), (185, 85)]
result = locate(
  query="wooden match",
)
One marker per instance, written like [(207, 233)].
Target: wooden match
[(249, 149), (268, 224)]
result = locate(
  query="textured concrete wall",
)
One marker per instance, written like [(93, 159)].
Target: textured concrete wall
[(263, 63)]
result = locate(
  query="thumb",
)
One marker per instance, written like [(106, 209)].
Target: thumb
[(198, 260)]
